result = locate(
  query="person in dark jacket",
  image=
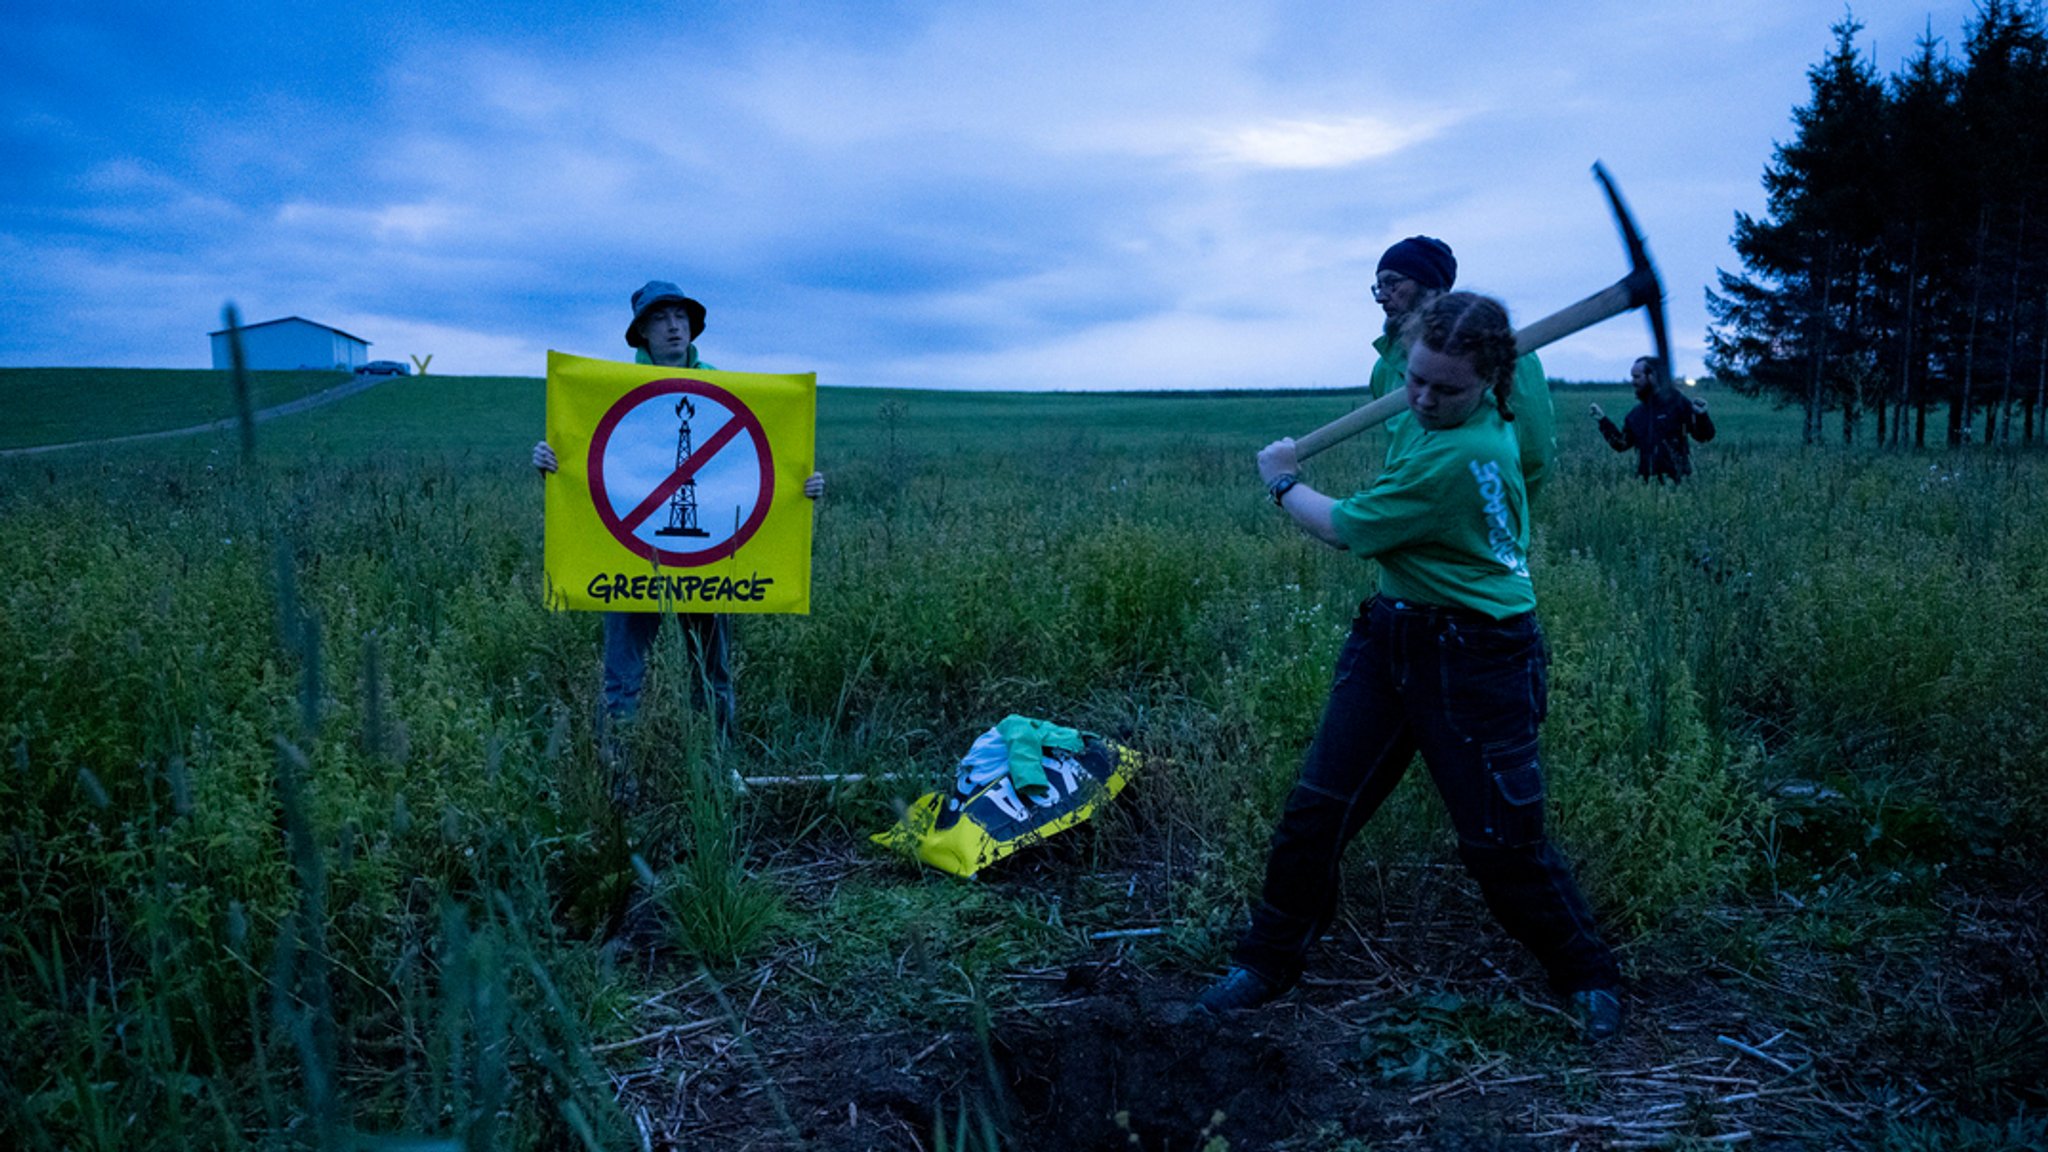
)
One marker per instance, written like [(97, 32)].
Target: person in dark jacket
[(1660, 426)]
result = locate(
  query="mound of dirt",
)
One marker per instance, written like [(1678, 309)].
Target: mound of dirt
[(1105, 1070)]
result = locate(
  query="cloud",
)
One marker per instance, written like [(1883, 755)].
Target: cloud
[(411, 224), (948, 195), (1317, 340), (1338, 143), (457, 351)]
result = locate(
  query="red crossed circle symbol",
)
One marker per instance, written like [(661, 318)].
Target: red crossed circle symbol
[(624, 527)]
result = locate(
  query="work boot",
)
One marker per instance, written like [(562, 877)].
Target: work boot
[(1239, 988), (1598, 1011)]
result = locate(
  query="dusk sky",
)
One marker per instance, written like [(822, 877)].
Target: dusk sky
[(991, 196)]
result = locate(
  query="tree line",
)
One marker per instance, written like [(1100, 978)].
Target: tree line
[(1901, 267)]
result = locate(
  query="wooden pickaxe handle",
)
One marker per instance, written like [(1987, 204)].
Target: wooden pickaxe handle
[(1605, 304), (1639, 289), (1352, 423)]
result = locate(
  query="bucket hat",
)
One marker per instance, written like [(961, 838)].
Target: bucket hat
[(655, 293)]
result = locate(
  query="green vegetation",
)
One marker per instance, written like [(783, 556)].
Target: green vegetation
[(63, 405), (309, 834)]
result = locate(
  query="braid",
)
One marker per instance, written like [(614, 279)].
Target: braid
[(1474, 326)]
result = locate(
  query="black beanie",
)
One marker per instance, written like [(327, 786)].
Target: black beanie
[(1423, 259)]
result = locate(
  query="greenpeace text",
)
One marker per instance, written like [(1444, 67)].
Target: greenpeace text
[(606, 587)]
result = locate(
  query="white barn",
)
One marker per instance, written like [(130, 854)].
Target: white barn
[(292, 342)]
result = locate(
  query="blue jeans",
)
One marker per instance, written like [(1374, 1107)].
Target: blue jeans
[(628, 636), (1468, 693)]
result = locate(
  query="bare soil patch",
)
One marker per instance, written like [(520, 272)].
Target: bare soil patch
[(1422, 1028)]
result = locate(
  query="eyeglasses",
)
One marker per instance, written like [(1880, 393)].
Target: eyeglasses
[(1385, 284)]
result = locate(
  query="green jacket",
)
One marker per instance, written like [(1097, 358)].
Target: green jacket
[(689, 359), (1448, 518), (1535, 418), (1028, 740)]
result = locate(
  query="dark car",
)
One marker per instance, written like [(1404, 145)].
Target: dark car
[(383, 368)]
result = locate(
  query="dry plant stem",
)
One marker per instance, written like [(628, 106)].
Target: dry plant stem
[(1468, 1080), (1746, 1050), (930, 1048), (673, 1030), (1126, 933)]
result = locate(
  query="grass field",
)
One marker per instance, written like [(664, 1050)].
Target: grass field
[(308, 837), (63, 405)]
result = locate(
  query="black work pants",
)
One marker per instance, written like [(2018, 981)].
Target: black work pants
[(1468, 693)]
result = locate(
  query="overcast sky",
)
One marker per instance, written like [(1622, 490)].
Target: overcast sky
[(965, 195)]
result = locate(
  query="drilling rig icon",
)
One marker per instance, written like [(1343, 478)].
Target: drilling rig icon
[(682, 506)]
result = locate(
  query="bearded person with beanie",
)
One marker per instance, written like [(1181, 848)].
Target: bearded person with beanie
[(1416, 271)]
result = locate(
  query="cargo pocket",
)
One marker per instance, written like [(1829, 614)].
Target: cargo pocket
[(1515, 802), (1496, 686)]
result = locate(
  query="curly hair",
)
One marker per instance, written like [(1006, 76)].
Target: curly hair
[(1475, 327)]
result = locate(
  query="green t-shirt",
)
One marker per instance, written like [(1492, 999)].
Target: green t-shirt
[(1448, 518), (690, 360), (1535, 418)]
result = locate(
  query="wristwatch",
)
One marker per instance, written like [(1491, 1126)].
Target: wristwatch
[(1282, 485)]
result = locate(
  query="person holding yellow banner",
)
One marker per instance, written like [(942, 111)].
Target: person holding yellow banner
[(664, 330)]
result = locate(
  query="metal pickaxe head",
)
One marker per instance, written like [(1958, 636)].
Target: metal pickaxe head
[(1646, 290)]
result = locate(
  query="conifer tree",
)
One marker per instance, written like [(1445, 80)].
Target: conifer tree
[(1800, 324), (1903, 259), (1922, 234), (2001, 102)]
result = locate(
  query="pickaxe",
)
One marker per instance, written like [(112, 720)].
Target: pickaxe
[(1639, 289)]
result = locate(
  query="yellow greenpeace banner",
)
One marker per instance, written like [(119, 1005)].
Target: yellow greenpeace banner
[(679, 488)]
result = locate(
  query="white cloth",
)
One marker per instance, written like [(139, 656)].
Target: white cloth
[(989, 760)]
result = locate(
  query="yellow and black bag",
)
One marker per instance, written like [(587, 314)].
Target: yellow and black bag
[(964, 834)]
